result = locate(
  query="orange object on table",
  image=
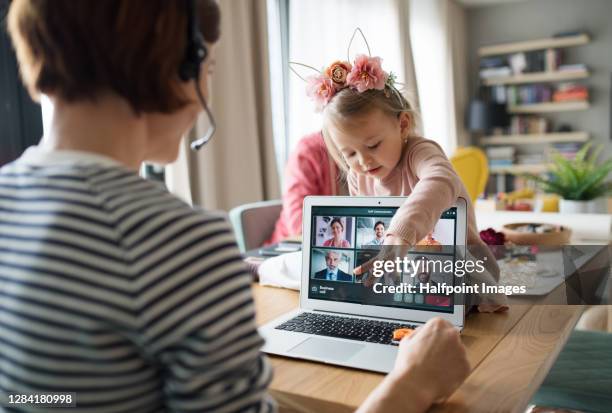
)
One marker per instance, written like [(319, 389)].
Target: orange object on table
[(401, 333)]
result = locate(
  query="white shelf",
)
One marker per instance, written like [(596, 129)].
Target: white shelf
[(549, 107), (536, 138), (558, 76), (540, 44), (519, 169)]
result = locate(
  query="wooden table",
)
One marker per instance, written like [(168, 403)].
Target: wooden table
[(510, 354)]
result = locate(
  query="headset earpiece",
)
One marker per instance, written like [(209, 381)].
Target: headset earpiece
[(196, 51)]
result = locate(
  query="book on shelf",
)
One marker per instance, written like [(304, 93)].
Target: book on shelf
[(536, 61), (521, 125), (500, 156), (497, 163), (552, 59), (499, 94), (570, 92), (541, 93), (501, 152), (527, 94), (493, 72), (493, 61), (567, 149), (575, 67), (530, 159)]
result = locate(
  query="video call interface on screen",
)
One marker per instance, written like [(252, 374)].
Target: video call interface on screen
[(345, 237)]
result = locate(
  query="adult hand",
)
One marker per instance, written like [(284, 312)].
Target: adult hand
[(433, 360), (431, 364)]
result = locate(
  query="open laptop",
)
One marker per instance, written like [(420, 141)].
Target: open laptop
[(344, 319)]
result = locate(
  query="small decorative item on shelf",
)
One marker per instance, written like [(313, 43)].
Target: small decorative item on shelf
[(527, 233), (519, 200), (546, 203), (580, 182)]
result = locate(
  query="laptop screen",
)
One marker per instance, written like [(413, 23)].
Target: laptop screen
[(345, 237)]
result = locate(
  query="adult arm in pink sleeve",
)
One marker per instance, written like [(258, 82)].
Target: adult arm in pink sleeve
[(437, 189), (306, 173)]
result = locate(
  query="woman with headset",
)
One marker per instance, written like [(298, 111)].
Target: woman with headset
[(111, 288)]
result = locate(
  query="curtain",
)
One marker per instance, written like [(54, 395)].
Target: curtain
[(438, 35), (410, 89), (238, 165)]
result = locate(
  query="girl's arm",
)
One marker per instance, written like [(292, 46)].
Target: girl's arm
[(437, 189)]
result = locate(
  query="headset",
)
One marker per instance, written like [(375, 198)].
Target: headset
[(195, 54)]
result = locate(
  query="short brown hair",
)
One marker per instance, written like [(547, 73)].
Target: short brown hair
[(349, 103), (77, 49)]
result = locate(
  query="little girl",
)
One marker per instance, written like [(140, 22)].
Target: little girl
[(368, 127)]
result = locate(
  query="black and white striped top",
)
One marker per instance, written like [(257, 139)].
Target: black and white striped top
[(112, 288)]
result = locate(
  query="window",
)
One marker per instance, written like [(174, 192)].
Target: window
[(317, 32)]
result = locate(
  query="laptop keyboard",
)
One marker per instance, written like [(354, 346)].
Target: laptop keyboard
[(372, 331)]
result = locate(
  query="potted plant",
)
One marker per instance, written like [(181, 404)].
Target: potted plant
[(581, 182)]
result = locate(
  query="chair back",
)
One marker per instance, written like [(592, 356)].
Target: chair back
[(471, 165), (254, 223)]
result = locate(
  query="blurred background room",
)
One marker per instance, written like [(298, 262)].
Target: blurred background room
[(526, 83)]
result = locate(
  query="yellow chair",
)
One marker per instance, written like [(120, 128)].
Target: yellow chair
[(471, 165)]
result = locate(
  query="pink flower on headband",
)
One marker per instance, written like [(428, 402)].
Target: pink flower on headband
[(367, 74), (321, 89)]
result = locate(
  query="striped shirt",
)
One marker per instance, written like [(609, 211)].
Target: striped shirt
[(115, 290)]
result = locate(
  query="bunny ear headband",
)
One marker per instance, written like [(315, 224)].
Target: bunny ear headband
[(364, 74)]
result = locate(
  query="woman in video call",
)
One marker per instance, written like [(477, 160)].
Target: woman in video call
[(336, 228), (126, 295)]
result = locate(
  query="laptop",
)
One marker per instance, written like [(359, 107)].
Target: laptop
[(348, 320)]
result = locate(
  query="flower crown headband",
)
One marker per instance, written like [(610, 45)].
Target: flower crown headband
[(364, 74)]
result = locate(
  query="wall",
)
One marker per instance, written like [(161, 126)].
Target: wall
[(542, 18)]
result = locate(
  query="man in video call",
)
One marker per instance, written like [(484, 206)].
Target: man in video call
[(379, 234), (331, 272)]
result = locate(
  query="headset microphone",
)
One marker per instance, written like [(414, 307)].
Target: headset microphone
[(195, 54)]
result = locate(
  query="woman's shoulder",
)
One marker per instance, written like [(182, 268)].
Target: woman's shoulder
[(310, 147), (311, 142), (142, 206)]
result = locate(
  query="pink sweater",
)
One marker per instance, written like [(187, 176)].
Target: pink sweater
[(309, 171), (429, 182)]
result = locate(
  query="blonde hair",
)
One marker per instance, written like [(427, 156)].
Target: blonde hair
[(349, 103)]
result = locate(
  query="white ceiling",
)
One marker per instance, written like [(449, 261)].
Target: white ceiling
[(479, 3)]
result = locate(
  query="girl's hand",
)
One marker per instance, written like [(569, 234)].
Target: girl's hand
[(393, 247)]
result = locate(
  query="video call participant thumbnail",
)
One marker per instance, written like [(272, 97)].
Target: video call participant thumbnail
[(371, 232), (379, 234), (336, 229), (332, 272)]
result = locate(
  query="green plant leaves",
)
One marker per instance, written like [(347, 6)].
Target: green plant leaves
[(580, 179)]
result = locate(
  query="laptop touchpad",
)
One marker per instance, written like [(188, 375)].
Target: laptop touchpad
[(322, 348)]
